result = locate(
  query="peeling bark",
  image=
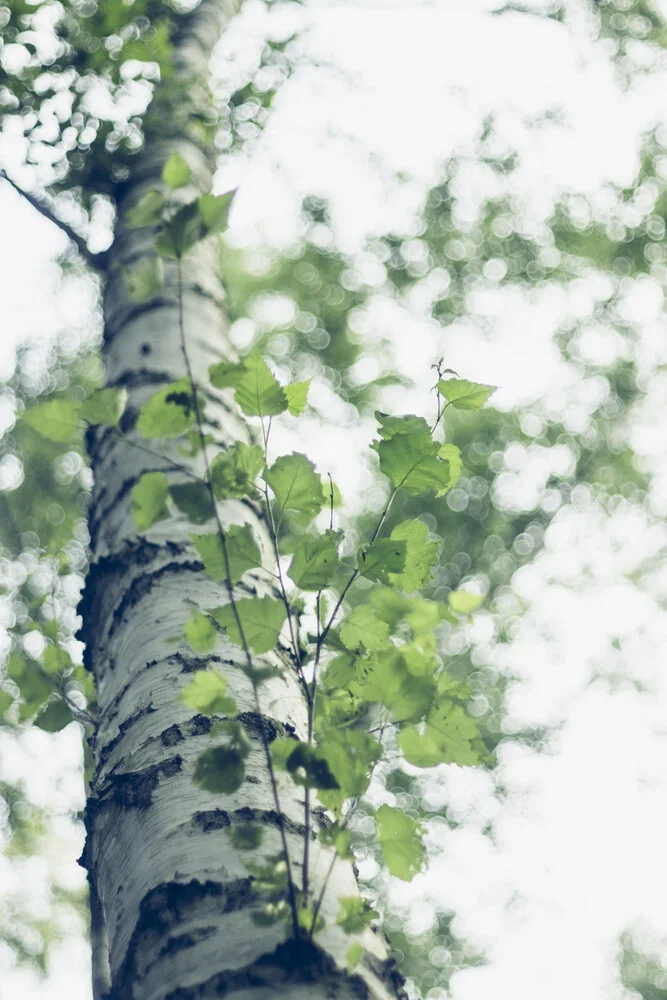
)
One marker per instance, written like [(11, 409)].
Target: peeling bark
[(176, 896)]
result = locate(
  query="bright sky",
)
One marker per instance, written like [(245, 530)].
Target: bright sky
[(577, 857)]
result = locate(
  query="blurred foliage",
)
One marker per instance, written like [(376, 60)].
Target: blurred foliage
[(79, 86)]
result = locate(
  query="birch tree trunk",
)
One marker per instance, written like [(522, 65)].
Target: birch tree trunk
[(175, 898)]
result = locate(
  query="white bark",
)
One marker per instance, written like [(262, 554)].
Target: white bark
[(176, 896)]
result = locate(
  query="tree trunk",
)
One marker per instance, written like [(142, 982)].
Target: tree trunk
[(176, 897)]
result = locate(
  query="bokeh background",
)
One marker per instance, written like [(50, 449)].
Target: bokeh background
[(456, 179)]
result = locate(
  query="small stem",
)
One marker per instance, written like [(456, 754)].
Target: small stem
[(235, 611), (157, 454), (320, 898)]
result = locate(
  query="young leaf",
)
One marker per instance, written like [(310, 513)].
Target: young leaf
[(242, 552), (355, 914), (169, 412), (386, 678), (214, 211), (54, 717), (308, 766), (176, 173), (315, 561), (465, 395), (411, 462), (383, 557), (220, 770), (57, 420), (399, 839), (420, 556), (258, 393), (351, 755), (450, 736), (200, 633), (181, 232), (353, 956), (463, 602), (149, 500), (363, 628), (235, 470), (207, 693), (225, 374), (262, 619), (145, 278), (104, 407), (452, 454), (147, 211), (297, 396), (295, 484), (194, 500), (6, 701), (281, 750)]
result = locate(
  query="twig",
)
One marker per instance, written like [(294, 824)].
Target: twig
[(96, 260), (232, 600)]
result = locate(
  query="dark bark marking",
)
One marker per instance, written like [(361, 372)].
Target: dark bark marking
[(171, 736), (167, 907), (106, 750), (183, 941), (134, 789), (211, 819), (143, 584)]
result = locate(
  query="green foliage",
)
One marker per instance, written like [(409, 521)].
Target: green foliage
[(463, 602), (194, 500), (400, 842), (145, 278), (246, 836), (295, 485), (355, 914), (242, 552), (384, 558), (315, 561), (364, 629), (200, 633), (149, 500), (207, 693), (220, 770), (420, 557), (260, 618), (235, 470), (410, 457), (176, 172), (464, 395), (54, 717), (169, 412), (58, 419)]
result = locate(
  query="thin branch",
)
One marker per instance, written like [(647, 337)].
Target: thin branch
[(235, 611), (95, 260)]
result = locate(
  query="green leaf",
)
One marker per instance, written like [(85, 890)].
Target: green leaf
[(412, 463), (452, 454), (463, 602), (181, 232), (353, 957), (355, 914), (54, 717), (386, 678), (6, 701), (315, 560), (262, 619), (246, 836), (351, 755), (242, 552), (309, 766), (420, 556), (145, 278), (194, 500), (384, 556), (220, 770), (281, 750), (104, 407), (225, 374), (297, 396), (258, 393), (391, 427), (465, 395), (235, 470), (147, 211), (364, 628), (295, 485), (149, 500), (200, 633), (176, 173), (207, 693), (450, 736), (169, 412), (400, 842), (57, 420), (214, 211)]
